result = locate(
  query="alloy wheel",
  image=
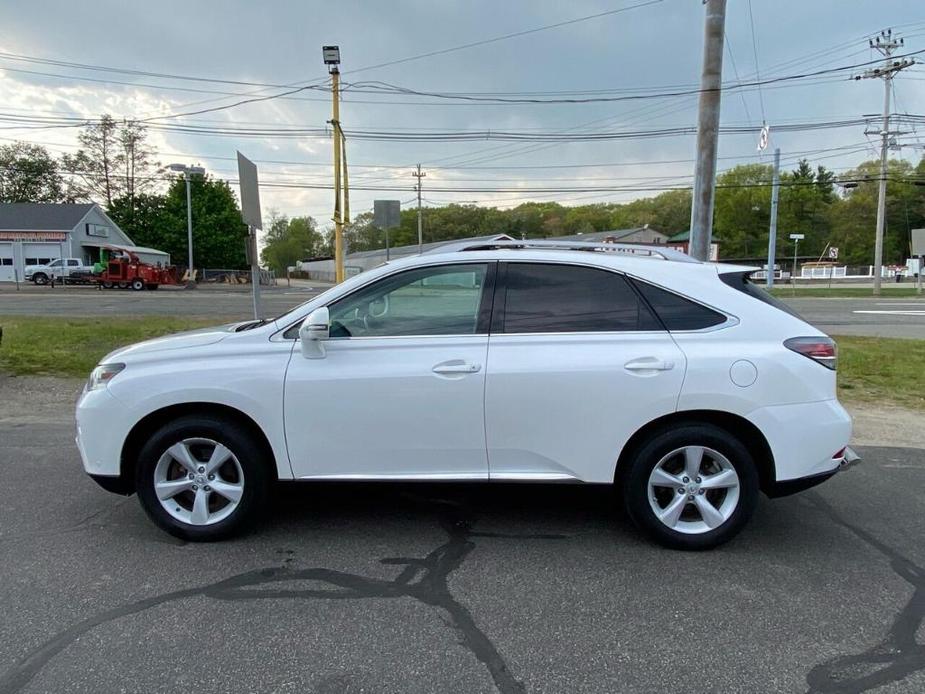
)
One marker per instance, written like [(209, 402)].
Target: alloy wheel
[(199, 481), (693, 490)]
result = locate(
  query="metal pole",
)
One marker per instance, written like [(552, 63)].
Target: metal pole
[(918, 283), (708, 130), (793, 274), (189, 232), (881, 198), (772, 233), (255, 269), (338, 210), (419, 176), (387, 244)]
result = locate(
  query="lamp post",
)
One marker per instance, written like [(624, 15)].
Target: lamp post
[(187, 171)]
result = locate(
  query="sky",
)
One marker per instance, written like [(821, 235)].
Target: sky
[(640, 48)]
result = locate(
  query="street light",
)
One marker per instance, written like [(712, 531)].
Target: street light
[(187, 171)]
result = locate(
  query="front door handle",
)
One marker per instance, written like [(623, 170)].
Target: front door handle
[(456, 366), (648, 364)]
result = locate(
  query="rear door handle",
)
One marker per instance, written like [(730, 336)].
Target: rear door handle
[(649, 364), (456, 367)]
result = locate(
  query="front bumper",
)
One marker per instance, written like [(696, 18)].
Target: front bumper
[(788, 487)]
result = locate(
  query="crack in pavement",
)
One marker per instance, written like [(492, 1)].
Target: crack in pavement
[(899, 654), (424, 579)]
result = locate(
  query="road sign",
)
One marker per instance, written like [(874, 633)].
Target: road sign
[(250, 192), (763, 138), (797, 237), (918, 242), (387, 213), (833, 252)]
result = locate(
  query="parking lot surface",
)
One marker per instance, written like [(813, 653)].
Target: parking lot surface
[(449, 588)]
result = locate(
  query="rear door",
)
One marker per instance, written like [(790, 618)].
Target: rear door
[(577, 363)]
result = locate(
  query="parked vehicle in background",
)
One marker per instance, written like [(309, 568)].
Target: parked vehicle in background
[(680, 383), (61, 269)]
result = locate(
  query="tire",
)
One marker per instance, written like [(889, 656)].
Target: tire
[(138, 285), (40, 278), (151, 287), (107, 285), (688, 523), (123, 285), (243, 475)]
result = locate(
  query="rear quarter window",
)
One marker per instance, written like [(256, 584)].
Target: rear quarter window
[(742, 282), (676, 312)]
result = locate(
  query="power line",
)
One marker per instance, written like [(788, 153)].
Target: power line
[(751, 20)]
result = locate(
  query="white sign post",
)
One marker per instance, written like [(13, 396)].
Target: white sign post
[(250, 213), (918, 249), (796, 238)]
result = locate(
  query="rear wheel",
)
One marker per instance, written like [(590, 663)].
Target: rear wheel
[(123, 285), (200, 479), (138, 285), (692, 487), (107, 285)]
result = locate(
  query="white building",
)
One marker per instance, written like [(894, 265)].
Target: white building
[(37, 233)]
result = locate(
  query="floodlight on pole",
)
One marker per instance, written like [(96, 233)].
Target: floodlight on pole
[(331, 56), (188, 171)]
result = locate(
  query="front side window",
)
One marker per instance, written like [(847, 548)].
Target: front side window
[(442, 300), (546, 298)]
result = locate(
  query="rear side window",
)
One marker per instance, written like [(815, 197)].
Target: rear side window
[(742, 282), (676, 312), (546, 298)]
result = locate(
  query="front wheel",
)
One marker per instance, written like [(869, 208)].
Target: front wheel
[(40, 278), (691, 487), (201, 479), (138, 285)]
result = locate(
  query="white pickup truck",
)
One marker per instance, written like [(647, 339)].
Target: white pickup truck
[(60, 269)]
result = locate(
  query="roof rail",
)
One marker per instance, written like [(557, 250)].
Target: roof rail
[(642, 250)]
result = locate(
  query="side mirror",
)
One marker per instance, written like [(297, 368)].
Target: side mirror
[(315, 329)]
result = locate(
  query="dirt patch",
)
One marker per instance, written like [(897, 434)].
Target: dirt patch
[(887, 425)]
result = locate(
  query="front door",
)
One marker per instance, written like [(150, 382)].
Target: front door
[(399, 392), (577, 363)]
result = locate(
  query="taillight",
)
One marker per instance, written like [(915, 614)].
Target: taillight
[(819, 349)]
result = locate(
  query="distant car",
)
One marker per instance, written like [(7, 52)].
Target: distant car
[(679, 382), (60, 269)]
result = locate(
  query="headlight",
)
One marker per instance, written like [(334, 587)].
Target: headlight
[(102, 375)]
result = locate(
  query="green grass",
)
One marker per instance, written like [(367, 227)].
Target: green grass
[(846, 292), (870, 369), (882, 370), (63, 346)]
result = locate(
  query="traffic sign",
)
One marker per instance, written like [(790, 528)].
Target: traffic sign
[(833, 252), (797, 237)]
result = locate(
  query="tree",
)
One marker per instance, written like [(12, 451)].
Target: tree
[(113, 161), (159, 221), (741, 211), (290, 240), (28, 173)]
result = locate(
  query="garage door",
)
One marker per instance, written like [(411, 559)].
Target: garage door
[(40, 253), (6, 262)]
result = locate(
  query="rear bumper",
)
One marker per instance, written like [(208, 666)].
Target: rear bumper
[(805, 438), (788, 487)]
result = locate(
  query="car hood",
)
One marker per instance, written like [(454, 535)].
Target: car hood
[(184, 340)]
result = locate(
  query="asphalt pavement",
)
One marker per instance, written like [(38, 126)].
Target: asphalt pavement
[(883, 317), (451, 588)]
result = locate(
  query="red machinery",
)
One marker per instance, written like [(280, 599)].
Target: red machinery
[(123, 268)]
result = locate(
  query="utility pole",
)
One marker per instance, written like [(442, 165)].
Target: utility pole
[(419, 175), (772, 233), (331, 55), (708, 130), (885, 44)]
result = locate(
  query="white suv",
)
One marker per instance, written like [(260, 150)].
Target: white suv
[(680, 382)]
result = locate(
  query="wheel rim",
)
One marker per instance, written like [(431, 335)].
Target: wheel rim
[(693, 490), (199, 481)]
